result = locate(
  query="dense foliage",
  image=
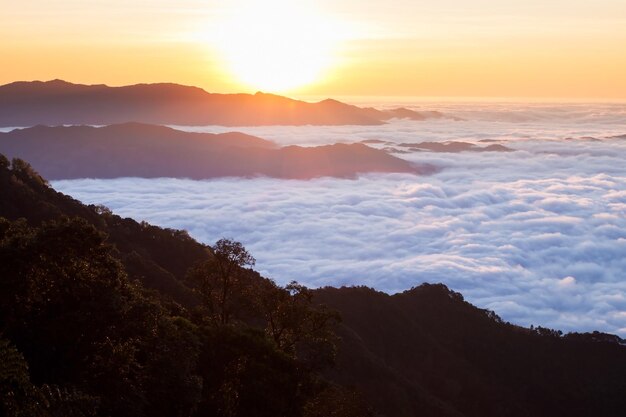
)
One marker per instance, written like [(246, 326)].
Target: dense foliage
[(103, 316), (79, 337), (428, 352), (158, 257)]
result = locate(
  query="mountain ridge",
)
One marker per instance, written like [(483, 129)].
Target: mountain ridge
[(150, 151), (58, 102)]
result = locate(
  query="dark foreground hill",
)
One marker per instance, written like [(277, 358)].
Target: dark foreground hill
[(58, 102), (158, 257), (140, 150), (80, 336), (427, 352)]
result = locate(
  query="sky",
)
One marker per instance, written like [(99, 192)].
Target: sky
[(570, 49)]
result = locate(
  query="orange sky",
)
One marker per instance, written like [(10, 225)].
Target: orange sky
[(482, 48)]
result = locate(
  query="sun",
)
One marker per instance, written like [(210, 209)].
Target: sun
[(275, 46)]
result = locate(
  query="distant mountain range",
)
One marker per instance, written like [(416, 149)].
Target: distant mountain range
[(58, 102), (442, 147), (149, 151)]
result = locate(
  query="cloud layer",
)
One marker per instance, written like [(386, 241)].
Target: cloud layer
[(538, 235)]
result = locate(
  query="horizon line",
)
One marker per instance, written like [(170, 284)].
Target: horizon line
[(363, 97)]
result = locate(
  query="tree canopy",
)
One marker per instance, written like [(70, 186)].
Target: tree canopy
[(102, 316)]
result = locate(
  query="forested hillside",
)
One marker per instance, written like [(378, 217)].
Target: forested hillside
[(104, 316), (81, 334), (426, 351)]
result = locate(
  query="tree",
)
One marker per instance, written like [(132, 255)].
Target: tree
[(15, 387), (245, 375), (222, 281), (20, 398), (297, 326), (171, 382), (23, 168), (4, 162), (72, 312), (336, 401)]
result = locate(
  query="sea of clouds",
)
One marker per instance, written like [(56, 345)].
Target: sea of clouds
[(537, 235)]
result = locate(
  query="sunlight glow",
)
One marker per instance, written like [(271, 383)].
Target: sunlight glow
[(275, 45)]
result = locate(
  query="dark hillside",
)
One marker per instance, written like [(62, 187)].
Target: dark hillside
[(81, 336), (157, 257), (414, 352)]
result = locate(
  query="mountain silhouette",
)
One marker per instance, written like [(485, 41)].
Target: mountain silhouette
[(58, 102), (424, 352), (149, 151), (428, 352), (453, 147)]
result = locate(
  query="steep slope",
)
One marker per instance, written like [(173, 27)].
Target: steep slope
[(158, 257), (428, 352), (58, 102), (139, 150), (77, 338), (423, 352)]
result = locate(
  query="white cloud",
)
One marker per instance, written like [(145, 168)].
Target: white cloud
[(567, 282), (538, 235)]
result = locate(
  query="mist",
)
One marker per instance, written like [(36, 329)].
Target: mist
[(537, 234)]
